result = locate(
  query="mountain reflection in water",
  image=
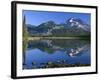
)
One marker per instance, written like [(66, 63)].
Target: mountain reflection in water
[(56, 54)]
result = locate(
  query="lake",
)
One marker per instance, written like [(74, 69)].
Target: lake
[(46, 53)]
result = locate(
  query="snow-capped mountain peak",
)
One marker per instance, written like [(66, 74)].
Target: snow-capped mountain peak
[(73, 22)]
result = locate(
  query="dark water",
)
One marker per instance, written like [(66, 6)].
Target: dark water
[(41, 53)]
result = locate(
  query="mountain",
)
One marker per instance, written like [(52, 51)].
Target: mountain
[(72, 27), (73, 22)]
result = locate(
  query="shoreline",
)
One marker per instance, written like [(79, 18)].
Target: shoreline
[(38, 38)]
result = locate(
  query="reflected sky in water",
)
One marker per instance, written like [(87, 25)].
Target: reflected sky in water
[(39, 53)]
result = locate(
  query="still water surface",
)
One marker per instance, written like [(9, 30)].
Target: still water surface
[(41, 52)]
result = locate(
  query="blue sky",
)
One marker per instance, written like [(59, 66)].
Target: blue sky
[(38, 17)]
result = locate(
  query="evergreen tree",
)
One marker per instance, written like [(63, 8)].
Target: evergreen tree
[(25, 32)]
